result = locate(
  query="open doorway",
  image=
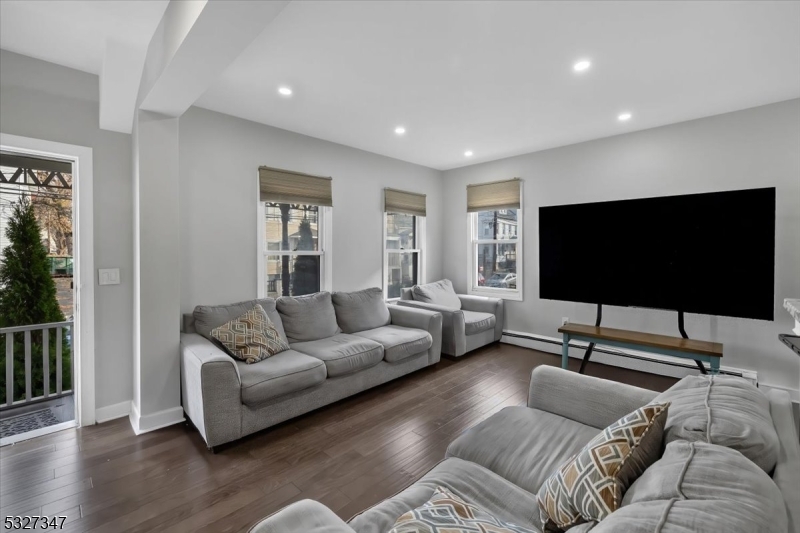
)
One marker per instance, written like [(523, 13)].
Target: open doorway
[(37, 296)]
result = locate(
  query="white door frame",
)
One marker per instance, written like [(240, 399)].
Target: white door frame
[(83, 246)]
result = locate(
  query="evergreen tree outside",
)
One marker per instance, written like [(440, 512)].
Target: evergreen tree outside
[(28, 296), (306, 267)]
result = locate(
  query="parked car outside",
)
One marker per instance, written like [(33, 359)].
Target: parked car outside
[(503, 281)]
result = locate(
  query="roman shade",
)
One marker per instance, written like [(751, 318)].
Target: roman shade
[(409, 203), (285, 186), (494, 195)]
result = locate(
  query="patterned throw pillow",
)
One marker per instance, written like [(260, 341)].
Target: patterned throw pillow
[(447, 513), (590, 485), (250, 337)]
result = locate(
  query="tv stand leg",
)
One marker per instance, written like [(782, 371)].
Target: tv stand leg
[(700, 365), (590, 348)]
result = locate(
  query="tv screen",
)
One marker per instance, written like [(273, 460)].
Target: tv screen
[(711, 253)]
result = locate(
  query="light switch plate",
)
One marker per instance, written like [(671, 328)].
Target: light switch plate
[(108, 276)]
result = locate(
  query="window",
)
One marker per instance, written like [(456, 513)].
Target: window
[(402, 252), (293, 249), (403, 241), (294, 233), (495, 263)]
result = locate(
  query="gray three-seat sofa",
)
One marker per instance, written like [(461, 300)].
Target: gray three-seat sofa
[(341, 344)]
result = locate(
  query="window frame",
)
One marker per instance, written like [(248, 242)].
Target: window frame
[(324, 242), (419, 249), (474, 242)]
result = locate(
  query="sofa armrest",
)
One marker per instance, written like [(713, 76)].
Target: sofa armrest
[(787, 471), (210, 389), (592, 401), (484, 304), (430, 321), (454, 339), (305, 516)]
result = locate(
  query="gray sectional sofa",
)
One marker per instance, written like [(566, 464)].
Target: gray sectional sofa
[(468, 322), (341, 344), (731, 461)]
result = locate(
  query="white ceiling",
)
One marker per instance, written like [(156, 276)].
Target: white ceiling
[(74, 33), (496, 77), (492, 77)]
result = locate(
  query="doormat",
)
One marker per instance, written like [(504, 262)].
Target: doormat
[(28, 422)]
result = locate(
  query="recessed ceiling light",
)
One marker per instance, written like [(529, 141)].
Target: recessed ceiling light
[(468, 153), (581, 65), (624, 116), (285, 91), (400, 130)]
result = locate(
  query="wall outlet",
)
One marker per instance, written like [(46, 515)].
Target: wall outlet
[(564, 320), (108, 276)]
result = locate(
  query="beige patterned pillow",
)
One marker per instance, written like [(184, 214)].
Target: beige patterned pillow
[(590, 485), (447, 513), (250, 337)]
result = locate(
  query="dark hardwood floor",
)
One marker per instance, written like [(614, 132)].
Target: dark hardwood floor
[(349, 455)]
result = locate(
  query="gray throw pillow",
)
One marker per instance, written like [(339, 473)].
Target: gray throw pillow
[(723, 410), (208, 317), (439, 293), (703, 487), (360, 310), (308, 318)]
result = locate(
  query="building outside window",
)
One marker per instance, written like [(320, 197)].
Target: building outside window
[(293, 256)]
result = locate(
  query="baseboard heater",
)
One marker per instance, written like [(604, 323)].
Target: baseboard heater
[(746, 374)]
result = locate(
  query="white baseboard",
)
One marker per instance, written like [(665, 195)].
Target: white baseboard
[(160, 419), (112, 412), (632, 359), (625, 358)]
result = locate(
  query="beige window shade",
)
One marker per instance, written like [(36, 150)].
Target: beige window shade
[(409, 203), (493, 196), (285, 186)]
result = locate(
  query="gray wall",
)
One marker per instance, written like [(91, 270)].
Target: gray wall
[(219, 160), (46, 101), (758, 147)]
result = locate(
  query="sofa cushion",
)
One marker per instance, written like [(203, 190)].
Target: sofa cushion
[(250, 337), (286, 372), (722, 410), (439, 293), (522, 444), (466, 480), (360, 310), (399, 342), (308, 318), (208, 317), (447, 512), (700, 487), (475, 322), (589, 487), (343, 353)]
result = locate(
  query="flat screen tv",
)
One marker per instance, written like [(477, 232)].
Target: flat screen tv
[(710, 253)]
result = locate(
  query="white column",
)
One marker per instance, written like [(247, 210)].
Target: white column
[(156, 287)]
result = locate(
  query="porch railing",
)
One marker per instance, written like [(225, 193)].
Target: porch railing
[(9, 333)]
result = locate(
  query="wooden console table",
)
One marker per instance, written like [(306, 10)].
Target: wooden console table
[(709, 352)]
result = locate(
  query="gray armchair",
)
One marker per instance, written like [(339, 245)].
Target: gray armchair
[(476, 322)]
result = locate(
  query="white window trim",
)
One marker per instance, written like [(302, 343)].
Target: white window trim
[(473, 287), (325, 241), (83, 252), (420, 250)]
